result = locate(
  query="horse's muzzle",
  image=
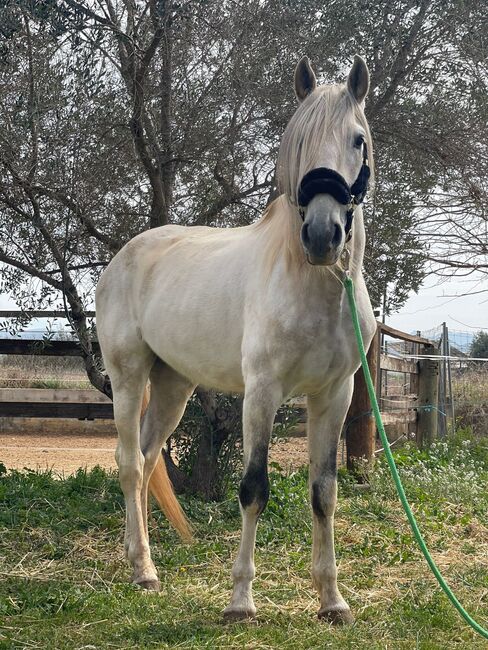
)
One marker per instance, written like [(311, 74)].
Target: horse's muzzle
[(322, 238)]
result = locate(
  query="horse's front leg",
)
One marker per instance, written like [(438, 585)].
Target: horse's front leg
[(262, 398), (326, 415)]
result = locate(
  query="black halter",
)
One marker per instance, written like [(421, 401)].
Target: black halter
[(323, 180)]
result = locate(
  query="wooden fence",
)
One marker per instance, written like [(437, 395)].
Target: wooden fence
[(80, 404), (43, 347), (410, 411)]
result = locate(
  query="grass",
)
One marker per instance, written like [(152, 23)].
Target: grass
[(470, 393), (63, 578), (36, 371)]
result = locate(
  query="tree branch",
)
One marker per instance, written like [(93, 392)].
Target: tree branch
[(398, 70), (31, 270), (112, 244)]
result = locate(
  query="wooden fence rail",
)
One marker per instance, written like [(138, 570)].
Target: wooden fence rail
[(43, 347), (55, 403)]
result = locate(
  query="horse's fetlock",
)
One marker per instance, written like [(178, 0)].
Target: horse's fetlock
[(139, 556), (324, 576), (243, 574)]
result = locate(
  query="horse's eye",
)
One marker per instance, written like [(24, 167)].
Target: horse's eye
[(359, 141)]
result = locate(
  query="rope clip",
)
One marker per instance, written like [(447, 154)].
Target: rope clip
[(345, 259)]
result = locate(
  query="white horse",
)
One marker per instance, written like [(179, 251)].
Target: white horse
[(253, 310)]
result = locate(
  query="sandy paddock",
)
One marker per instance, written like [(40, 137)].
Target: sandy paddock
[(66, 453)]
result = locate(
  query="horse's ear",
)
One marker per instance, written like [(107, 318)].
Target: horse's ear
[(358, 80), (305, 81)]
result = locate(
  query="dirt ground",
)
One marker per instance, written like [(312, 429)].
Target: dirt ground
[(66, 453)]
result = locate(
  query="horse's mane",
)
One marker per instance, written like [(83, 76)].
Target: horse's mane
[(280, 229)]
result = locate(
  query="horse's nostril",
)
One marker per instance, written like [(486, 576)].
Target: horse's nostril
[(337, 237)]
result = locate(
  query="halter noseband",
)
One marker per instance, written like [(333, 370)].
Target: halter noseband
[(323, 180)]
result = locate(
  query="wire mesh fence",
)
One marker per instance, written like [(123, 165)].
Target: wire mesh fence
[(463, 377)]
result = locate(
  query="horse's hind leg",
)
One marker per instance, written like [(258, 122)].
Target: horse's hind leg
[(262, 398), (128, 373), (326, 414), (169, 394)]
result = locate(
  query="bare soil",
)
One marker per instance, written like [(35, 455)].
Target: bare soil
[(64, 454), (61, 453)]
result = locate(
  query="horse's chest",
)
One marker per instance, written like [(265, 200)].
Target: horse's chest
[(324, 352), (326, 357), (306, 342)]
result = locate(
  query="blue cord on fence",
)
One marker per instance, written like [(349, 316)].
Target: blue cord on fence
[(427, 408)]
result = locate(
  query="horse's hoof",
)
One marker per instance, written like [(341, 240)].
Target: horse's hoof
[(336, 616), (149, 585), (233, 615)]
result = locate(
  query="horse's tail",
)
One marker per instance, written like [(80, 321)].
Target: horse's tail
[(162, 490)]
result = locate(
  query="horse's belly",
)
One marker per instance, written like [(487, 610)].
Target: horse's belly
[(209, 367), (205, 350)]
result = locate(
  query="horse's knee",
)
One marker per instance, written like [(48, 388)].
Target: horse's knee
[(324, 496), (254, 488)]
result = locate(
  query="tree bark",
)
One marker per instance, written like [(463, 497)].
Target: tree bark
[(360, 423), (206, 479), (180, 481)]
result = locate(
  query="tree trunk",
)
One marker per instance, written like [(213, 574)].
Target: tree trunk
[(205, 479), (180, 481), (360, 423), (208, 477)]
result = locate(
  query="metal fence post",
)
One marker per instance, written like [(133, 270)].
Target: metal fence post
[(428, 399)]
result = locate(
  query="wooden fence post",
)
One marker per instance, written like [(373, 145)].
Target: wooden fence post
[(360, 424), (428, 397)]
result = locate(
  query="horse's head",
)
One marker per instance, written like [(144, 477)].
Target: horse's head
[(323, 160)]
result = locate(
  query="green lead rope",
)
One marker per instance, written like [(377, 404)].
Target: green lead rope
[(349, 285)]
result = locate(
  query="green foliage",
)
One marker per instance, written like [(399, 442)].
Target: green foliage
[(479, 345), (287, 421), (196, 433), (451, 472), (39, 499), (288, 508), (394, 255)]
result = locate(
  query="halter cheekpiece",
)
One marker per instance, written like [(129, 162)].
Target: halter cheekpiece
[(323, 180)]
